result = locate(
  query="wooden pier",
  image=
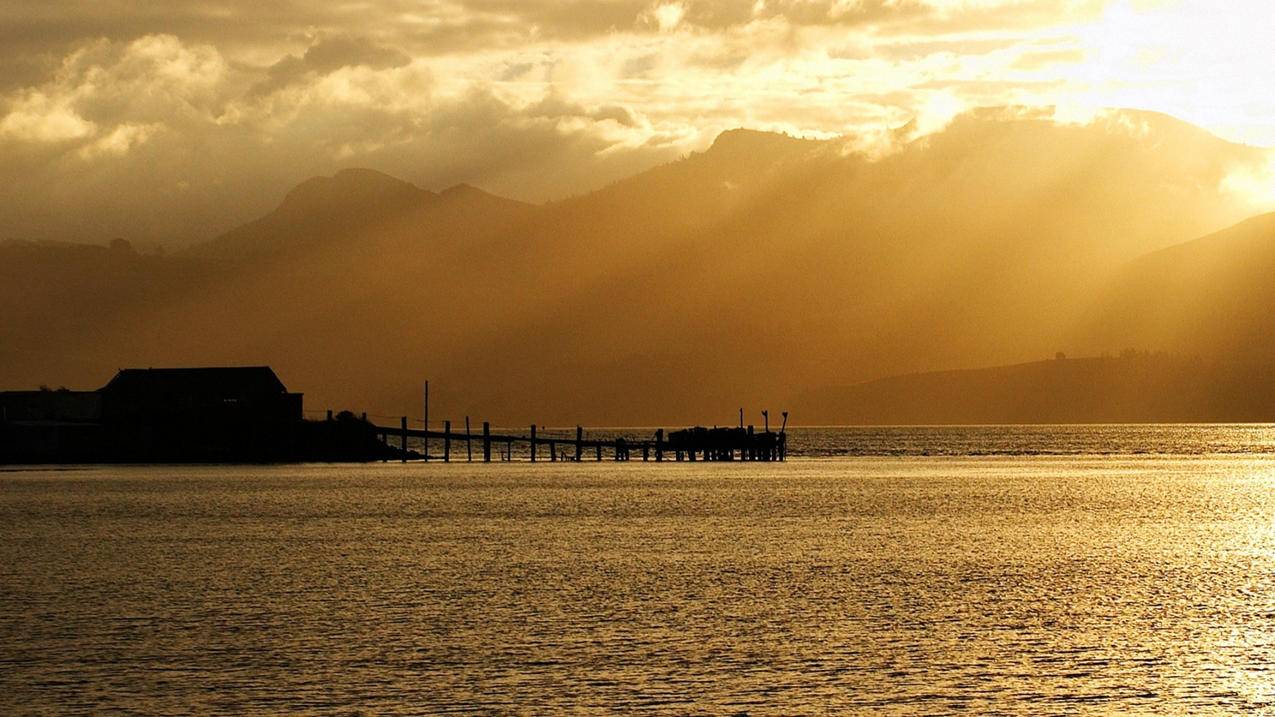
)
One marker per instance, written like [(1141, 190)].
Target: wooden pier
[(691, 444)]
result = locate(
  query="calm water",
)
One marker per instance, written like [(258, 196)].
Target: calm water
[(1012, 584)]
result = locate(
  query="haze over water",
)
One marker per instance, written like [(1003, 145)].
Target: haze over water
[(1038, 584)]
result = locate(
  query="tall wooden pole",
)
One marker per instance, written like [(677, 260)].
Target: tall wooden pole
[(425, 440), (533, 443), (447, 441), (486, 442), (469, 448), (403, 429)]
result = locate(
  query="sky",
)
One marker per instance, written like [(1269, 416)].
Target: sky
[(170, 122)]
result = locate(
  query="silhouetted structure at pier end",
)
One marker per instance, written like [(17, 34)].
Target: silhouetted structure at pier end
[(234, 414)]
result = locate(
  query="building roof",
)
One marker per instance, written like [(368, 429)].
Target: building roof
[(218, 381)]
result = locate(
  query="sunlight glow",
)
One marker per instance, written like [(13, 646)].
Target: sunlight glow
[(1206, 63)]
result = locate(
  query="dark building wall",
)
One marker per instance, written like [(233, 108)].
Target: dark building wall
[(207, 414), (245, 396), (178, 415), (51, 406)]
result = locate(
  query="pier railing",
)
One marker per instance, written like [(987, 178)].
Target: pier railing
[(692, 444)]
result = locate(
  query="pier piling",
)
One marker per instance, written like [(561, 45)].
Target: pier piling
[(425, 438), (486, 442), (691, 444)]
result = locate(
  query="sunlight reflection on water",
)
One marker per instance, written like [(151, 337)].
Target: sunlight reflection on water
[(1022, 585)]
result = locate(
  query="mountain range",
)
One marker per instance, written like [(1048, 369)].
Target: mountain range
[(757, 273)]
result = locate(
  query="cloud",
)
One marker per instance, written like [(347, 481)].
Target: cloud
[(35, 117), (119, 141), (668, 15), (234, 101), (328, 54), (124, 129), (554, 106)]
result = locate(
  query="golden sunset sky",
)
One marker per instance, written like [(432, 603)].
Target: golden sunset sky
[(175, 121)]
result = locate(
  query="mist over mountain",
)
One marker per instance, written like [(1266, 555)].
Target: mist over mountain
[(751, 273)]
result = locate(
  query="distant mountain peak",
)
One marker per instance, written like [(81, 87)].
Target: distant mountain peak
[(348, 188), (469, 194), (463, 191), (363, 174), (356, 179), (741, 141)]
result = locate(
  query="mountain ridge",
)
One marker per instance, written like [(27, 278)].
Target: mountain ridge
[(737, 275)]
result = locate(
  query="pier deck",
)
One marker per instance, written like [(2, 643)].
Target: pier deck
[(705, 444)]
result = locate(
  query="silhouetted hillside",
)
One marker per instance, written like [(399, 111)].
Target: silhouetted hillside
[(351, 203), (759, 268), (1212, 297), (1135, 388)]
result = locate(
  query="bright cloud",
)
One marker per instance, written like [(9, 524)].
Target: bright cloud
[(235, 101)]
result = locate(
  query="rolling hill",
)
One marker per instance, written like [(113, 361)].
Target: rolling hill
[(1208, 297), (1132, 388)]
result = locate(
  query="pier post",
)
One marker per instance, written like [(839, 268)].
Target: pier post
[(579, 443), (618, 448), (599, 447), (659, 445), (646, 452), (403, 428), (469, 448), (553, 451), (425, 439), (533, 443), (447, 441), (752, 446), (486, 442)]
